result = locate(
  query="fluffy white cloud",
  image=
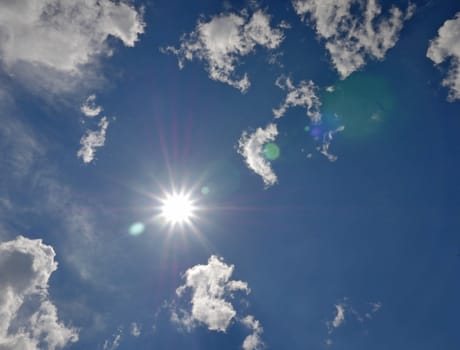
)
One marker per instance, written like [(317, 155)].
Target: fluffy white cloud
[(64, 34), (353, 29), (303, 95), (252, 341), (225, 38), (250, 146), (28, 319), (89, 107), (210, 284), (91, 140), (54, 46), (446, 47)]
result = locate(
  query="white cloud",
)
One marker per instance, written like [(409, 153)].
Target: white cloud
[(135, 329), (252, 341), (89, 107), (327, 140), (91, 140), (353, 29), (250, 146), (210, 284), (211, 287), (54, 46), (339, 317), (225, 38), (28, 319), (446, 47), (303, 95)]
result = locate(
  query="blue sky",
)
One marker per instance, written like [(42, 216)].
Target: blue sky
[(229, 174)]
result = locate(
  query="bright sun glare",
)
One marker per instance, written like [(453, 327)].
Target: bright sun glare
[(177, 208)]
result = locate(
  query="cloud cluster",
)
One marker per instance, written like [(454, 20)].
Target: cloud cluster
[(28, 319), (353, 29), (446, 47), (64, 34), (91, 140), (250, 146), (303, 95), (222, 40), (211, 286)]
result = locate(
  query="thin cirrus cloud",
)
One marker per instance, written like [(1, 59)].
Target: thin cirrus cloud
[(28, 318), (221, 41), (91, 140), (89, 107), (353, 30), (250, 146), (32, 32), (446, 47), (211, 286), (304, 94)]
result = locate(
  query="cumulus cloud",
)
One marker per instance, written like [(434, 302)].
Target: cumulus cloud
[(211, 288), (48, 42), (250, 146), (353, 30), (210, 284), (89, 107), (28, 318), (91, 140), (446, 48), (254, 340), (304, 94), (221, 41)]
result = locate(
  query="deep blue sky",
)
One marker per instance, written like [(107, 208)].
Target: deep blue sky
[(379, 225)]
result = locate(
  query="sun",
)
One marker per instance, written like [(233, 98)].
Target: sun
[(177, 208)]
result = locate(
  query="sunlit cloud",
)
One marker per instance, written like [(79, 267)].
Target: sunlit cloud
[(353, 30), (222, 40), (302, 95), (446, 47), (251, 147), (28, 318), (91, 140), (43, 41)]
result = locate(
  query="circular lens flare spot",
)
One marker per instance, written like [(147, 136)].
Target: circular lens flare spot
[(177, 208)]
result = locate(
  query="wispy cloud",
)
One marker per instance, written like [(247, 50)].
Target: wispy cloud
[(25, 269), (114, 342), (91, 140), (326, 144), (446, 47), (304, 95), (222, 40), (353, 30), (89, 107), (250, 146)]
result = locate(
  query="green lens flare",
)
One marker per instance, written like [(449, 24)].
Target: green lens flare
[(136, 229), (205, 190), (271, 151)]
